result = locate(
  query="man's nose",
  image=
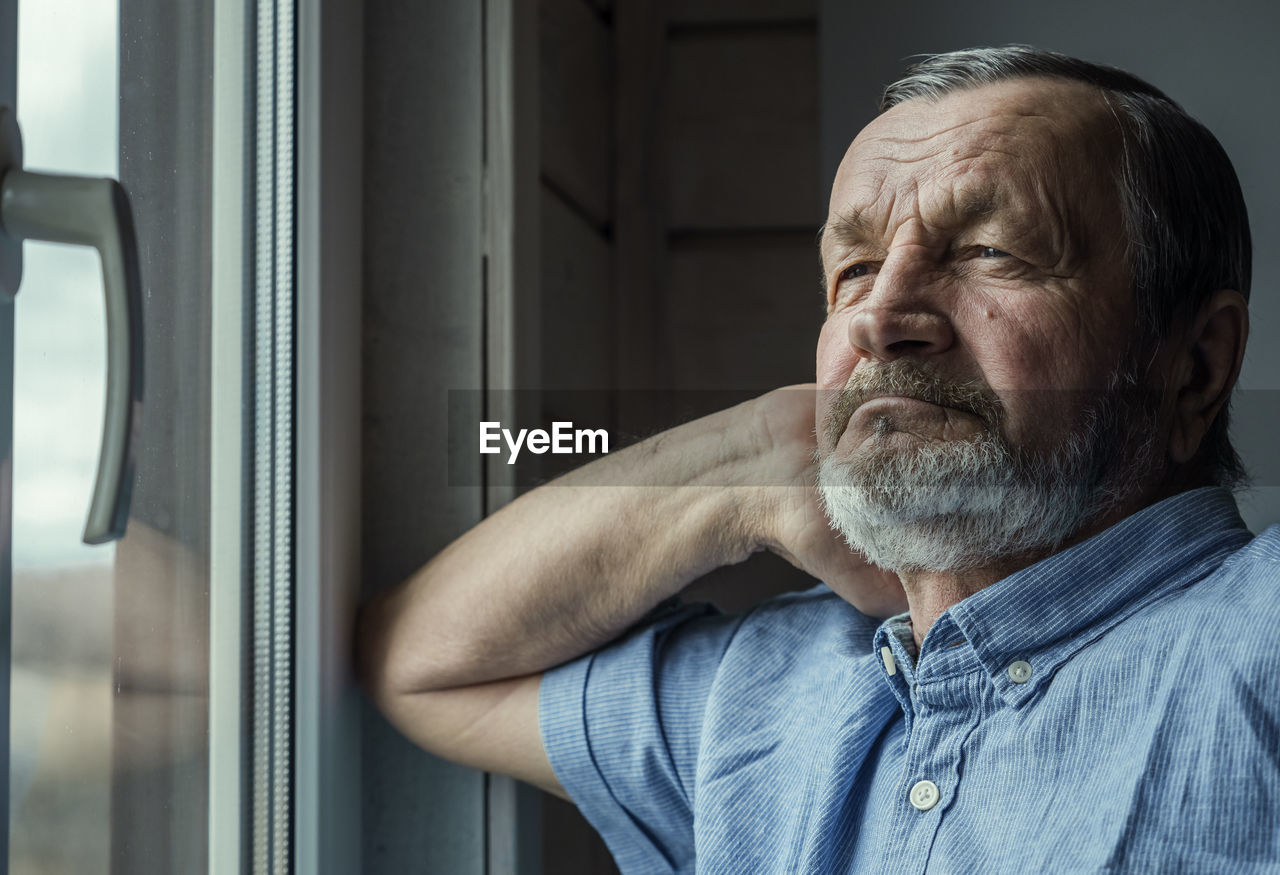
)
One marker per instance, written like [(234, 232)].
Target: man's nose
[(901, 316)]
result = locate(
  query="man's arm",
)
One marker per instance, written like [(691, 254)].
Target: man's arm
[(454, 655)]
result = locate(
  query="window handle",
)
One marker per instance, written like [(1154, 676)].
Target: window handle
[(88, 212)]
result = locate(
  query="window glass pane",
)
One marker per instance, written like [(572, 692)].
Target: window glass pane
[(61, 699), (109, 703)]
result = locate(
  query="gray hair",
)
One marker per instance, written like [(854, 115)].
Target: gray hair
[(1184, 213)]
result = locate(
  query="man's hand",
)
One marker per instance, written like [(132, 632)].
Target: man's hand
[(454, 655), (793, 524)]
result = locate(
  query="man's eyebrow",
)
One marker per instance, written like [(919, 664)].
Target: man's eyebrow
[(972, 205), (980, 203), (845, 228)]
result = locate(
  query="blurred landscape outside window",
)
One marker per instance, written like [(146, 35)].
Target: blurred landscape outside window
[(61, 697)]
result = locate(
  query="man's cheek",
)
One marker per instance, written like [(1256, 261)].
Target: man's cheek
[(835, 357), (1036, 421)]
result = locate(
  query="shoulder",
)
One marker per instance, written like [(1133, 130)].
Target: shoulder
[(1225, 624), (1243, 594), (1259, 559), (1210, 633)]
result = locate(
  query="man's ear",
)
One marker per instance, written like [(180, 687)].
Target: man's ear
[(1208, 366)]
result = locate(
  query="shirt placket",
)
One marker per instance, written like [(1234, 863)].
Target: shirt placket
[(941, 712)]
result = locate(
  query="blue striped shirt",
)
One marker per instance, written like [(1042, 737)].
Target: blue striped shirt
[(1115, 707)]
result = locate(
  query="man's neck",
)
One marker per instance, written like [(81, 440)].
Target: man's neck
[(929, 593)]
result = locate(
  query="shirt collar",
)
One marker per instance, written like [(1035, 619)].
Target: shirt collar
[(1040, 616)]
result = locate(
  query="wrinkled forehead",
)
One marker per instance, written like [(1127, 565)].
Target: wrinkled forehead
[(1023, 145)]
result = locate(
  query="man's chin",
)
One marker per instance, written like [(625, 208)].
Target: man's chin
[(941, 521)]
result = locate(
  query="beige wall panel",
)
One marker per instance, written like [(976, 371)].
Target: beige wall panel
[(740, 124), (742, 312), (577, 300), (577, 330), (639, 233), (576, 65), (740, 11)]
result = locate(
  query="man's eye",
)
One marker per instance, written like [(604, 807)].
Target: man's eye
[(992, 252), (855, 270)]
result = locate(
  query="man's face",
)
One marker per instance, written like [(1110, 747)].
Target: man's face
[(979, 306)]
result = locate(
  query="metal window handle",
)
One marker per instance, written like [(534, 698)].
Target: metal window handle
[(88, 212)]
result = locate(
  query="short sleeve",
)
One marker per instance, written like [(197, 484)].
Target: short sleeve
[(622, 726)]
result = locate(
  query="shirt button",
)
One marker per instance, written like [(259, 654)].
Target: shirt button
[(1020, 672), (924, 795), (889, 665)]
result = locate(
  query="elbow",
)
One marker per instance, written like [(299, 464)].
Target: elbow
[(370, 658), (381, 664), (393, 661)]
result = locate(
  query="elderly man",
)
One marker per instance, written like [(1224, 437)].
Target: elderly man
[(1036, 278)]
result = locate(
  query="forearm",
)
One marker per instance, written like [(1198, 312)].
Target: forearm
[(566, 567)]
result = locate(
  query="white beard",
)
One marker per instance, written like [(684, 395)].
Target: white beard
[(960, 505)]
